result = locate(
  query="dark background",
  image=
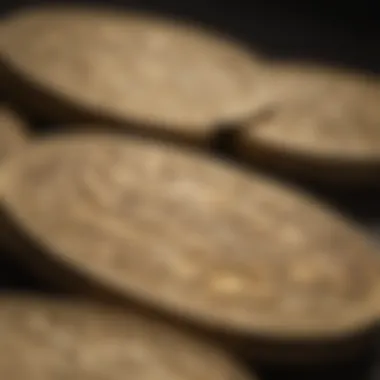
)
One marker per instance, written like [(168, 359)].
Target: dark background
[(324, 31)]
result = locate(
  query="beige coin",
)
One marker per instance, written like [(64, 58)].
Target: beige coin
[(46, 339), (316, 122), (13, 135), (191, 237), (78, 63)]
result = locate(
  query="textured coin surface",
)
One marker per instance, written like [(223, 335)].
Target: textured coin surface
[(128, 67), (192, 237), (310, 118), (46, 339), (12, 132)]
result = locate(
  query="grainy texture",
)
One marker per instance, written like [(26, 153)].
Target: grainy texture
[(129, 68), (46, 339), (13, 135), (317, 121), (296, 28), (193, 237)]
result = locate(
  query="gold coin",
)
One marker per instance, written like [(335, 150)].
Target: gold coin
[(47, 339), (316, 122), (183, 234), (157, 74)]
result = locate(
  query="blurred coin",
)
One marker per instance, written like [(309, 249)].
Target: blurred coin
[(315, 122), (46, 339), (154, 74), (232, 253)]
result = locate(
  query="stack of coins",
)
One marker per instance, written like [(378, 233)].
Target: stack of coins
[(171, 261)]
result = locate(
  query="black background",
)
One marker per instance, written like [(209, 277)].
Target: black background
[(325, 31)]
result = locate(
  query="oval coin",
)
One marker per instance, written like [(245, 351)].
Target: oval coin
[(162, 75), (191, 237), (47, 339), (316, 122)]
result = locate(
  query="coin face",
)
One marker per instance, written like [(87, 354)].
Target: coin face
[(12, 132), (192, 236), (131, 67), (315, 114), (52, 340)]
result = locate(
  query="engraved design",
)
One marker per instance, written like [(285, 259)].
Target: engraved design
[(133, 66), (192, 232)]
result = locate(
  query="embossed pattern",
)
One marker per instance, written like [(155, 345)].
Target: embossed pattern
[(133, 67), (193, 234)]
